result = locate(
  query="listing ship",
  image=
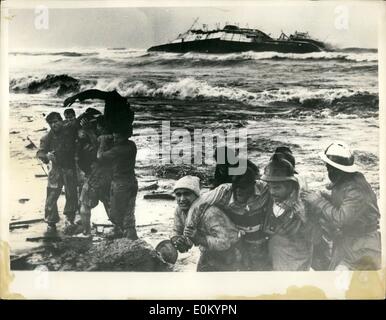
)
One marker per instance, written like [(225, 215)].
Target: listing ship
[(232, 38)]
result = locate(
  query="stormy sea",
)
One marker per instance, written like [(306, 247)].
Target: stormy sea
[(304, 101), (301, 100)]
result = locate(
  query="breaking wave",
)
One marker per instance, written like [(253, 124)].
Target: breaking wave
[(62, 84), (192, 89), (250, 55), (60, 53), (338, 99), (140, 57)]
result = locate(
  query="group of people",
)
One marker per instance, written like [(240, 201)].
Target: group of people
[(92, 157), (262, 223), (247, 222)]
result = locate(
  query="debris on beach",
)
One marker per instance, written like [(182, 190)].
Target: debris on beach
[(31, 144), (44, 239), (151, 186), (41, 175), (29, 221), (160, 195), (83, 254), (20, 226), (174, 171)]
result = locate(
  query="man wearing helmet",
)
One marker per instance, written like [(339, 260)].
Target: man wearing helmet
[(349, 214), (287, 223), (244, 202)]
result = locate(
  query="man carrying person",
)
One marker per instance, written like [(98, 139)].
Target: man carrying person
[(350, 214), (116, 106), (216, 235), (124, 185), (225, 159), (97, 184), (244, 202), (58, 147)]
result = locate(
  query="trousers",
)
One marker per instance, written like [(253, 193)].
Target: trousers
[(57, 179)]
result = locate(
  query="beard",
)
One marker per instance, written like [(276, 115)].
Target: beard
[(334, 175)]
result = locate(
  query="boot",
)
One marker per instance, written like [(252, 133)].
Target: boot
[(115, 234), (51, 229), (131, 233), (69, 227)]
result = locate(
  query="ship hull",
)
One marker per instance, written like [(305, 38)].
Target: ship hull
[(223, 46)]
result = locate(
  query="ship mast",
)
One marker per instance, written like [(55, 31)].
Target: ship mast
[(182, 35)]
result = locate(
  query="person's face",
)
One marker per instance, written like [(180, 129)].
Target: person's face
[(69, 116), (243, 192), (280, 191), (56, 124), (185, 198), (333, 173)]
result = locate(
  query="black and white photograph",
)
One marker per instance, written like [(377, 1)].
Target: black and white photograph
[(218, 138)]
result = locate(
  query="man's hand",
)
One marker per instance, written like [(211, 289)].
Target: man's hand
[(69, 101), (311, 197), (325, 195), (300, 211), (181, 243), (51, 157)]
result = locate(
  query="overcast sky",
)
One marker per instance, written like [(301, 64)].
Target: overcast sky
[(144, 27)]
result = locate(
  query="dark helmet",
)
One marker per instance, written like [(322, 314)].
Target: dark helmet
[(246, 179), (279, 169), (167, 251), (285, 153)]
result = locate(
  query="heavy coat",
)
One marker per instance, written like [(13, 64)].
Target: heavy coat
[(248, 219), (290, 235), (217, 238), (351, 216)]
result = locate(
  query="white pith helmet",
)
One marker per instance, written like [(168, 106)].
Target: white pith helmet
[(339, 156)]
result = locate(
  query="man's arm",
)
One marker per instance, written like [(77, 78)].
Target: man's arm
[(221, 234), (199, 206), (353, 204), (178, 225), (87, 94)]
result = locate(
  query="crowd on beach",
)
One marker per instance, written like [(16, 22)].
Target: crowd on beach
[(260, 220)]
